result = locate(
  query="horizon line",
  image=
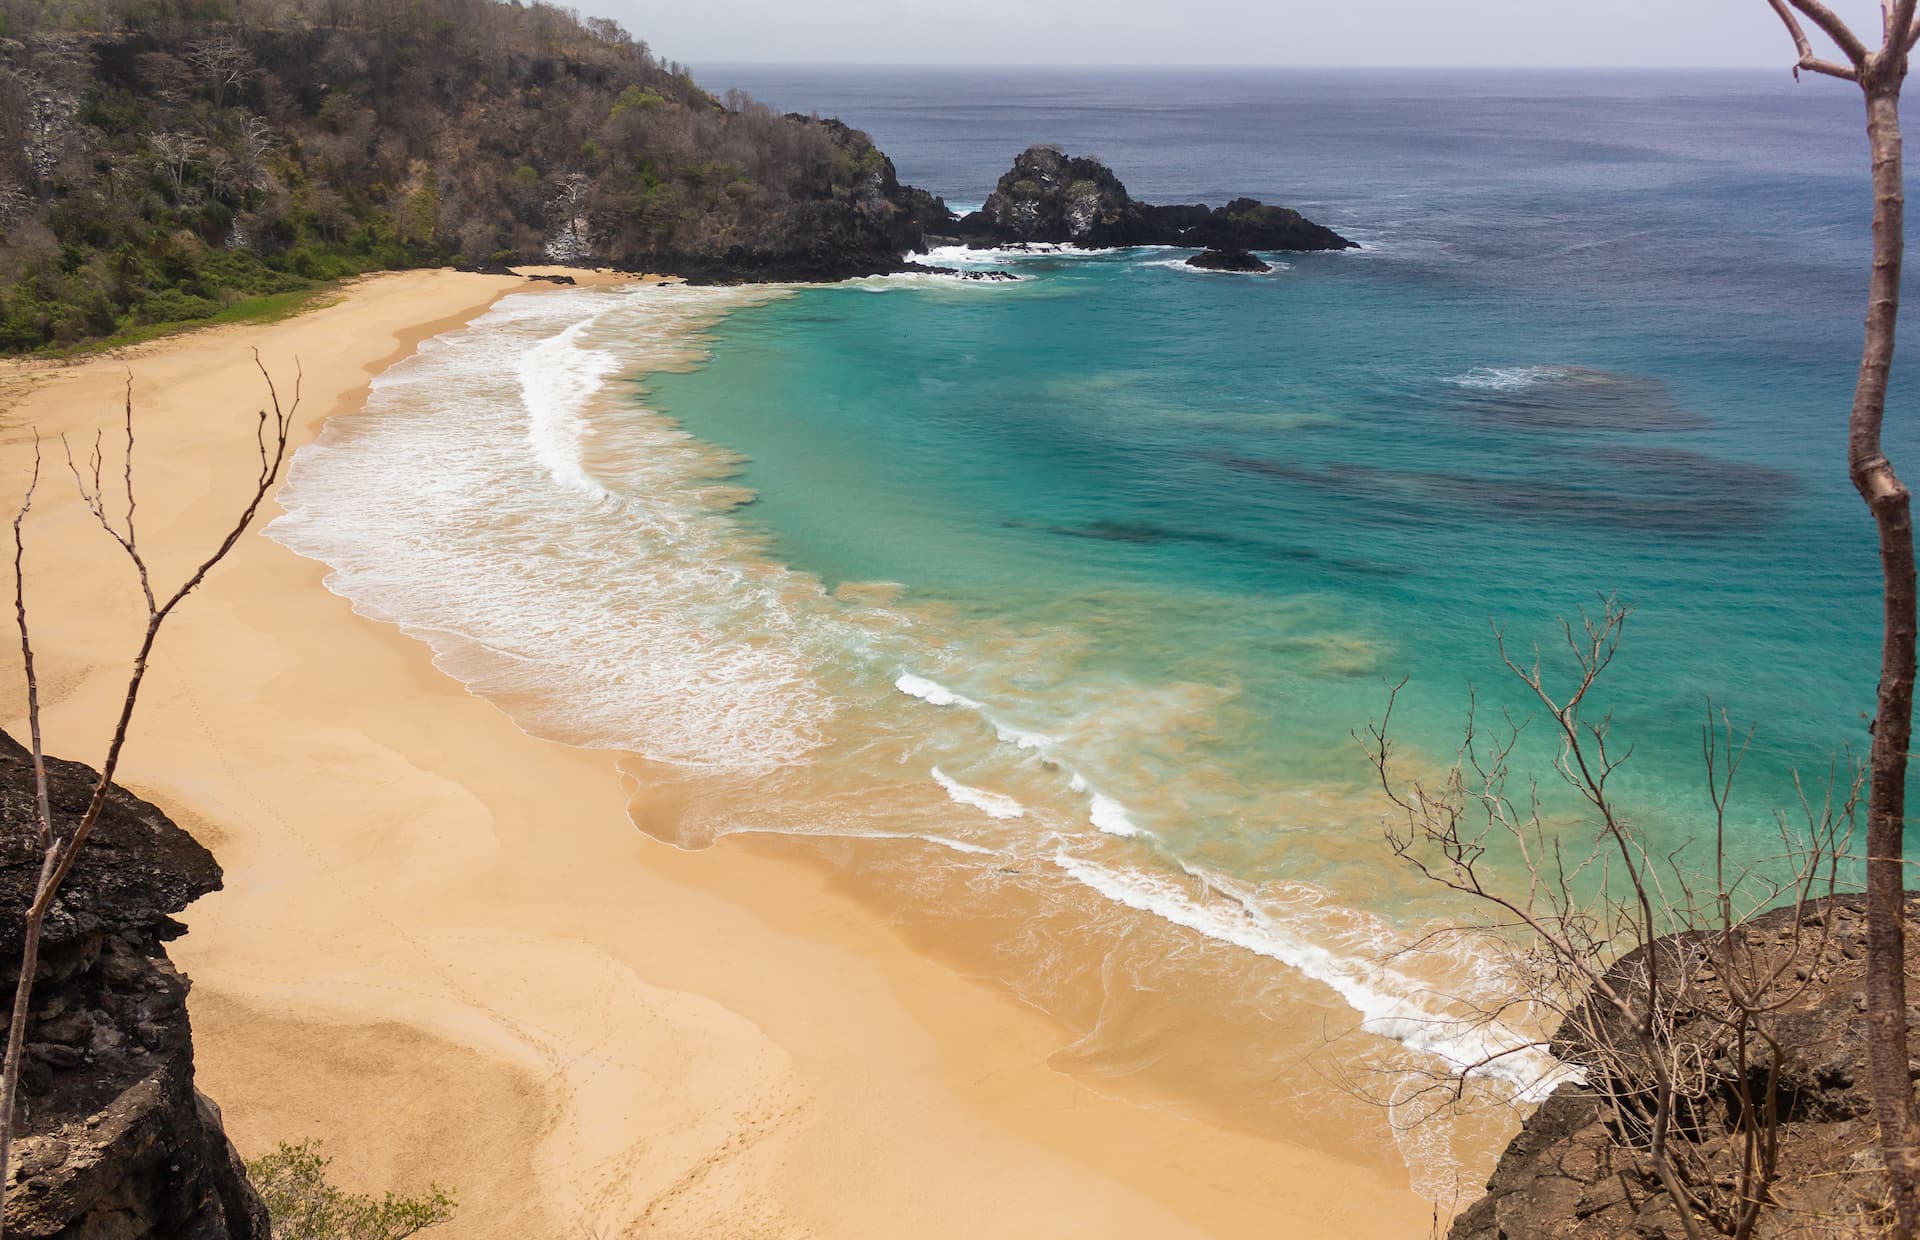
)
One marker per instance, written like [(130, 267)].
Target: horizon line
[(1784, 68)]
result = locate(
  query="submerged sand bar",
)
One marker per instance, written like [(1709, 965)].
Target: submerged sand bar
[(444, 951)]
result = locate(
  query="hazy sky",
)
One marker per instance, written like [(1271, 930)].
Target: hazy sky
[(1279, 32)]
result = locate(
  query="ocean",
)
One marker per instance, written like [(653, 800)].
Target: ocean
[(1045, 613)]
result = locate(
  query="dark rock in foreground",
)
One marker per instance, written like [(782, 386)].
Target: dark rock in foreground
[(113, 1140), (1228, 260), (1570, 1175), (1049, 196)]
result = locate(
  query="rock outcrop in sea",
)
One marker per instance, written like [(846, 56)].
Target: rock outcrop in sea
[(1229, 260), (1049, 196), (113, 1139), (1570, 1175)]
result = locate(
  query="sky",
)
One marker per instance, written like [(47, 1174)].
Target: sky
[(1513, 33)]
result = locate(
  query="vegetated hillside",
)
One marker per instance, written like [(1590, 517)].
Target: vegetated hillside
[(160, 159)]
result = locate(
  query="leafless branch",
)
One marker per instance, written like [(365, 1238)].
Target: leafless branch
[(60, 851)]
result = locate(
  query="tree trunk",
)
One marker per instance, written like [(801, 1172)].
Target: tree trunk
[(1888, 500), (17, 1035)]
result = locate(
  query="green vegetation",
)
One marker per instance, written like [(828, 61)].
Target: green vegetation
[(267, 308), (303, 1205), (169, 161)]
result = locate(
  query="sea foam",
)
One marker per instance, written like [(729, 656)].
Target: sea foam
[(1391, 1002), (1508, 378), (933, 692), (557, 380), (992, 804), (550, 545), (1111, 817)]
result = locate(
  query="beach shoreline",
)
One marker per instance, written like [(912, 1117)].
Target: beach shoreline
[(444, 951)]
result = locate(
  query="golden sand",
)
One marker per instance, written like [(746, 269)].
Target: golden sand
[(444, 951)]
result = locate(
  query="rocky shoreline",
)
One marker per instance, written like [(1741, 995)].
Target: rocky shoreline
[(113, 1139), (1568, 1174), (1046, 198)]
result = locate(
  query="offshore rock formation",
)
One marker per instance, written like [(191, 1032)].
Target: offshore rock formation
[(113, 1139), (1228, 260), (1049, 196), (1568, 1175)]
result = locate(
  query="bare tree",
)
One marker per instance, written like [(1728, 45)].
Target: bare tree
[(60, 844), (1880, 72), (255, 142), (175, 153), (224, 62), (1666, 1006), (241, 168)]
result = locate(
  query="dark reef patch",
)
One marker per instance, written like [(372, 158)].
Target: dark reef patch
[(1671, 491), (1577, 398)]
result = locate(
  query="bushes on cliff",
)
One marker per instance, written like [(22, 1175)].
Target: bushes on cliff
[(304, 1205), (304, 140)]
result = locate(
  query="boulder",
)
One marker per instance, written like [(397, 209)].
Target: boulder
[(1577, 1171), (1228, 260), (1247, 224)]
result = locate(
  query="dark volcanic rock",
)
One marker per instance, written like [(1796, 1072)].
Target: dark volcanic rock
[(867, 229), (1574, 1173), (1246, 224), (113, 1139), (1050, 196), (1228, 260), (137, 868)]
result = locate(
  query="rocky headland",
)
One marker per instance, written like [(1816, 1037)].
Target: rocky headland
[(113, 1140), (1571, 1174), (1048, 198)]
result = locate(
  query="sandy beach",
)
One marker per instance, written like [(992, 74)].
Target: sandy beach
[(444, 950)]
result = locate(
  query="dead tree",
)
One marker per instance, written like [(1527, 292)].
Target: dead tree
[(1880, 71), (1664, 1004), (60, 844), (224, 62), (175, 154)]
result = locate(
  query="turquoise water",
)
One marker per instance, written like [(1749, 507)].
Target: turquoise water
[(1296, 489)]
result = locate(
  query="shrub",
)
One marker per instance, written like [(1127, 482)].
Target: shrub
[(173, 305), (292, 1181)]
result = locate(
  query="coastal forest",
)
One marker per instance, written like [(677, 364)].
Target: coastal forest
[(169, 161)]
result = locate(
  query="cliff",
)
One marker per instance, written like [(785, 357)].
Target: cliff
[(1571, 1174), (113, 1140), (159, 162), (1051, 197)]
